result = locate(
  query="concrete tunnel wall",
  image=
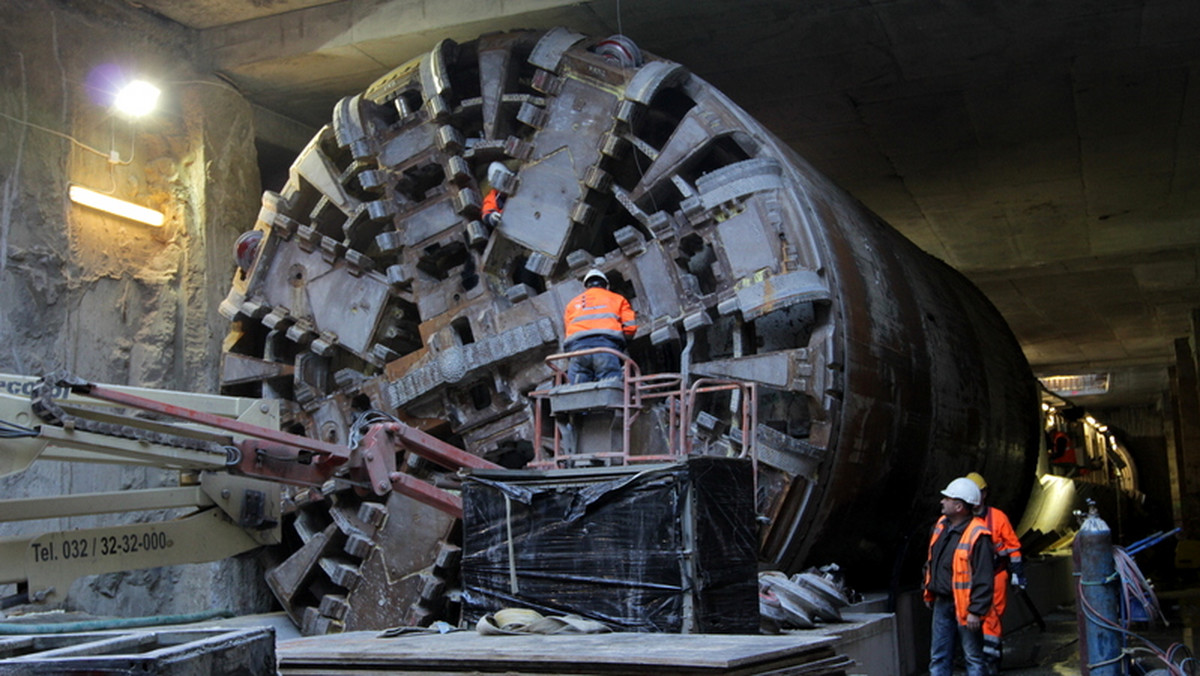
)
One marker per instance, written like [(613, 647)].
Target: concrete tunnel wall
[(108, 299)]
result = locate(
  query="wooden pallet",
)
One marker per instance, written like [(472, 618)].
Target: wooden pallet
[(141, 652)]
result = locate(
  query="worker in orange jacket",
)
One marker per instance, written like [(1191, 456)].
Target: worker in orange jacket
[(1008, 567), (597, 318), (494, 201), (959, 580)]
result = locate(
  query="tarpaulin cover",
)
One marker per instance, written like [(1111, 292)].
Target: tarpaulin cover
[(666, 548)]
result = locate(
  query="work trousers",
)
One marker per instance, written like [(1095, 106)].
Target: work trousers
[(592, 367), (992, 629), (947, 634)]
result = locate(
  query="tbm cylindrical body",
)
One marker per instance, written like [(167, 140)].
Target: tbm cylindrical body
[(882, 372)]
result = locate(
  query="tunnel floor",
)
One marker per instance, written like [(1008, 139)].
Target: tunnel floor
[(1029, 651)]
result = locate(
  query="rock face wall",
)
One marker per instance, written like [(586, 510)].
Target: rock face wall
[(109, 299)]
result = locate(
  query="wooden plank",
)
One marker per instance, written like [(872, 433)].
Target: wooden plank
[(823, 662), (202, 651), (833, 666), (648, 653)]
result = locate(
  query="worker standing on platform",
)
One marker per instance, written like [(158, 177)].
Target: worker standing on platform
[(1007, 565), (959, 580), (597, 318)]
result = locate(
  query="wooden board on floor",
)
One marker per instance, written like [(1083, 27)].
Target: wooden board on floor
[(362, 652)]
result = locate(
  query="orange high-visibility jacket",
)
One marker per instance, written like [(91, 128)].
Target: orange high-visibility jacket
[(493, 202), (1004, 538), (599, 312), (1008, 552), (960, 567)]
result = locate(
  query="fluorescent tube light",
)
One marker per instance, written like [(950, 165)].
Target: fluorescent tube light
[(114, 206), (1077, 385)]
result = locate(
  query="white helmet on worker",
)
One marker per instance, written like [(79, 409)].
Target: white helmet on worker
[(496, 172), (595, 277), (963, 489)]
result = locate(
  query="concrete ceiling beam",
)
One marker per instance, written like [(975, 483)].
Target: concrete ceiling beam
[(351, 23), (278, 130)]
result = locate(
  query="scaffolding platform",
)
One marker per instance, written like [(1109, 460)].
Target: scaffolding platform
[(583, 397)]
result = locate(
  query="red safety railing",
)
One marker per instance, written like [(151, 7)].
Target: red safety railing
[(638, 392)]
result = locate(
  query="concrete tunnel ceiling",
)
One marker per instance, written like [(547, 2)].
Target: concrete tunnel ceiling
[(1048, 150)]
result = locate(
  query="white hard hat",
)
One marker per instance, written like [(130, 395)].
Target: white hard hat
[(594, 274), (496, 172), (964, 489)]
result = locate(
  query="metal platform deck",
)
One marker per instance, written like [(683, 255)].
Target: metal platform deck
[(141, 652)]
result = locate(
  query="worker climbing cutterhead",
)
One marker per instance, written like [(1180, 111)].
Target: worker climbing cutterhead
[(493, 203)]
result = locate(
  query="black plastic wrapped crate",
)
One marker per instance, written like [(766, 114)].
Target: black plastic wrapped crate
[(662, 548)]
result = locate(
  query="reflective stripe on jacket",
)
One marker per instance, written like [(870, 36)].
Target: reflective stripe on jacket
[(962, 579), (1004, 538), (599, 312)]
